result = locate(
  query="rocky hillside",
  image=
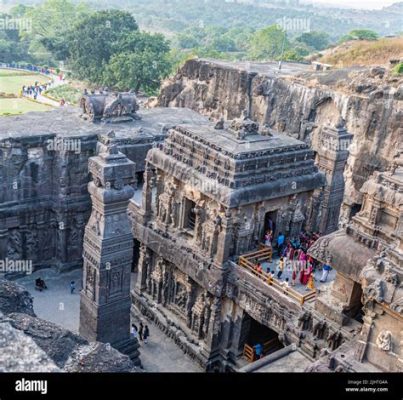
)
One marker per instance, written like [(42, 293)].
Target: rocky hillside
[(298, 101)]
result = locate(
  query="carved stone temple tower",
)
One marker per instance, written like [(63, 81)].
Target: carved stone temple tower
[(108, 250), (332, 157)]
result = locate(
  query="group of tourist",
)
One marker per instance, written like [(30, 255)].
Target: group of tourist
[(293, 258), (142, 333), (35, 89), (29, 67)]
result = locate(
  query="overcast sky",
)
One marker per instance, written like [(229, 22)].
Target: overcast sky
[(367, 4)]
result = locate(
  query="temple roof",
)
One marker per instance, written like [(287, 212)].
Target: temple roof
[(66, 121), (239, 167)]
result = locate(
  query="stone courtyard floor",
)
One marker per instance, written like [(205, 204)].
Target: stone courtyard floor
[(57, 305)]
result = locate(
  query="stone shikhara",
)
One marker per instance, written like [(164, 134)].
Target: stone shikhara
[(298, 155)]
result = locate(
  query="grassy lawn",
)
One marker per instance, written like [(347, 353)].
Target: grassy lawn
[(69, 93), (21, 105), (12, 81)]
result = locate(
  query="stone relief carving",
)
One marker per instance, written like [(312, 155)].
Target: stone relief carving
[(384, 341)]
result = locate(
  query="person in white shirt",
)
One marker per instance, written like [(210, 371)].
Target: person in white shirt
[(133, 331)]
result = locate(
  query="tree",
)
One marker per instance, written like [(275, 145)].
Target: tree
[(51, 22), (268, 43), (315, 40), (140, 62), (92, 42), (360, 34)]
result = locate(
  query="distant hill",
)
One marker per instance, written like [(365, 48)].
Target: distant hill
[(173, 16), (363, 52)]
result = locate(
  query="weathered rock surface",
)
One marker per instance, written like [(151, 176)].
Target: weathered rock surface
[(31, 344), (19, 353), (15, 299), (55, 341), (98, 357)]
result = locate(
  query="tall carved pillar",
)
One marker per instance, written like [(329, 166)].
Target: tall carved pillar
[(61, 249), (214, 327), (143, 266), (147, 191), (332, 157), (226, 238), (108, 241)]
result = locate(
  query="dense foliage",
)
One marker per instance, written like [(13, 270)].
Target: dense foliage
[(123, 45)]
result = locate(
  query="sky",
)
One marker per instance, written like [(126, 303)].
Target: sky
[(365, 4)]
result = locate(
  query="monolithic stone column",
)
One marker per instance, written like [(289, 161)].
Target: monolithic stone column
[(143, 265), (332, 157), (225, 238), (108, 241)]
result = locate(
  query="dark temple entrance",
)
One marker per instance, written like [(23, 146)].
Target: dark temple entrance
[(254, 333), (270, 219)]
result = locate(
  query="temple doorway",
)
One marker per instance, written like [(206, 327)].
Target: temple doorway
[(355, 209), (270, 219), (355, 310), (254, 333)]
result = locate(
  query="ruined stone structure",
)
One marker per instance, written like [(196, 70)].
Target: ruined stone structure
[(368, 257), (108, 252)]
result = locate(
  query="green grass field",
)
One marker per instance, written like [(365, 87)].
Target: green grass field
[(70, 94), (20, 106), (12, 81)]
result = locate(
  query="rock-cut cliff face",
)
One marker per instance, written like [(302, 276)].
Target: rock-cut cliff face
[(298, 101)]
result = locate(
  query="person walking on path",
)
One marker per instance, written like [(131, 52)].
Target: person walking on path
[(146, 334), (72, 287), (134, 331), (141, 330)]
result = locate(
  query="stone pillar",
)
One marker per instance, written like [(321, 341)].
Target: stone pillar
[(225, 239), (332, 156), (143, 265), (363, 338), (147, 191), (213, 340), (108, 253)]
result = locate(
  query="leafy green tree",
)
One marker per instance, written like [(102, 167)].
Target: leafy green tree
[(140, 62), (315, 40), (360, 34), (268, 43), (93, 41), (51, 22)]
